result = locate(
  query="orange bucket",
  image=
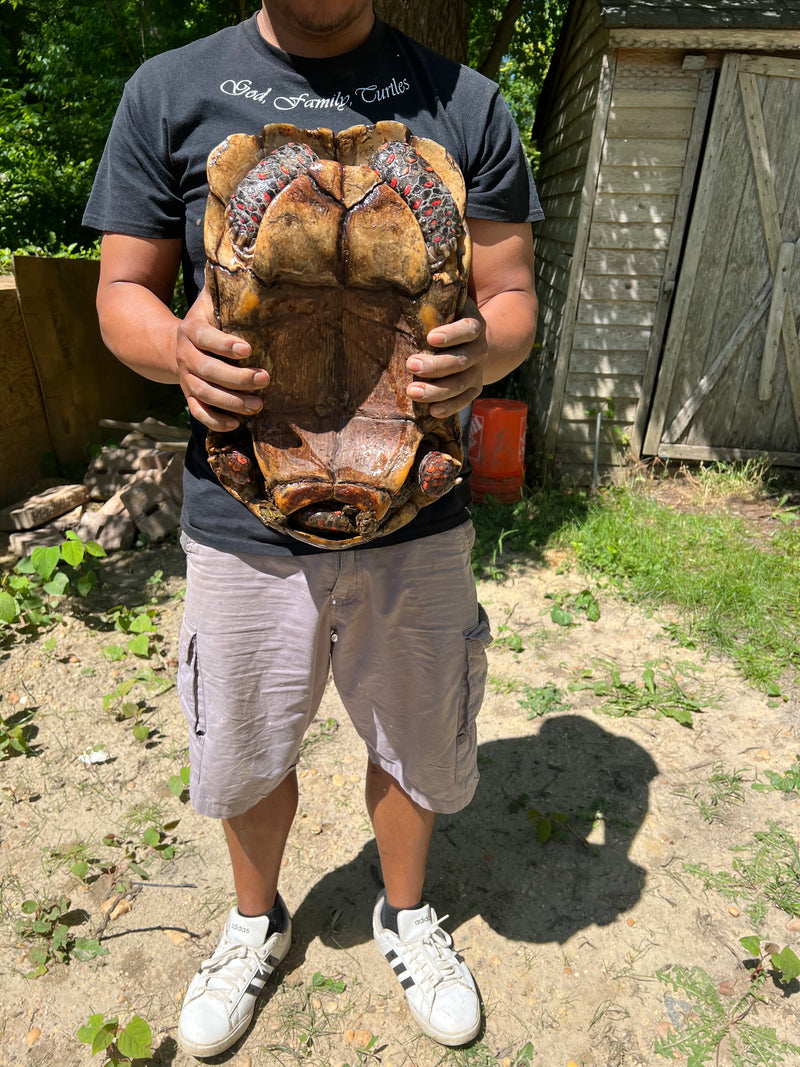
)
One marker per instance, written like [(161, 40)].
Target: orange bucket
[(497, 449)]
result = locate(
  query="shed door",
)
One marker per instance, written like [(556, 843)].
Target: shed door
[(729, 382)]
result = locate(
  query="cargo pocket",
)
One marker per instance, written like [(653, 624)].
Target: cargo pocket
[(476, 640), (189, 684)]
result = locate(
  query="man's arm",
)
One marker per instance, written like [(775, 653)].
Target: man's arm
[(485, 347), (137, 277)]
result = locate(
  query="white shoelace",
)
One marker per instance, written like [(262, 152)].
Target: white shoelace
[(431, 960), (239, 961)]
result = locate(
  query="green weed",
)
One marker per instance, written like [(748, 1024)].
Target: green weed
[(509, 639), (121, 1044), (47, 927), (710, 1026), (764, 872), (140, 626), (785, 964), (16, 734), (567, 605), (788, 782), (659, 692), (723, 788), (28, 592), (179, 784), (543, 700)]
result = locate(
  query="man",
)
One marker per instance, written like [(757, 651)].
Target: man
[(397, 621)]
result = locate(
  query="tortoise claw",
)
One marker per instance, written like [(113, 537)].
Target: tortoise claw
[(437, 473)]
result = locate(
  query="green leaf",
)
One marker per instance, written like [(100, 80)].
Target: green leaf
[(80, 869), (45, 559), (114, 653), (544, 830), (94, 549), (787, 964), (142, 624), (140, 645), (151, 836), (135, 1040), (141, 733), (88, 1030), (29, 906), (8, 607), (593, 611), (57, 585), (72, 552), (86, 583), (751, 944), (649, 679), (86, 948), (104, 1036), (560, 617)]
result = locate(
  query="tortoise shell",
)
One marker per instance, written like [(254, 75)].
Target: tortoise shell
[(334, 256)]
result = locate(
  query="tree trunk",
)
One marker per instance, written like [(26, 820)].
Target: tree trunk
[(438, 24), (502, 38)]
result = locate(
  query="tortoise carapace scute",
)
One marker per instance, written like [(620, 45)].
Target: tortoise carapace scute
[(333, 256)]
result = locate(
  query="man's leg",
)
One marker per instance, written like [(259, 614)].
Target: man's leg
[(256, 841), (403, 832)]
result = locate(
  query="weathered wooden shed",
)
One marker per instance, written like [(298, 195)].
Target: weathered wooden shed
[(669, 262)]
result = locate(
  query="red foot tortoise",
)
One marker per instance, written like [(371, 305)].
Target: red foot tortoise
[(333, 256)]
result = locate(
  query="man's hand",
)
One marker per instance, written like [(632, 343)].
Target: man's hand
[(218, 393), (450, 380)]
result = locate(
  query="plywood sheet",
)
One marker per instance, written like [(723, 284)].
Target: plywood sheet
[(81, 382)]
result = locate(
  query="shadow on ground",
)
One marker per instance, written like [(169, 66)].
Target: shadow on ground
[(582, 780)]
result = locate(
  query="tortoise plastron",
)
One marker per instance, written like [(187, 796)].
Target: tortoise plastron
[(333, 256)]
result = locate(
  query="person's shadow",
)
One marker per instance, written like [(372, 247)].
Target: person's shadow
[(518, 855)]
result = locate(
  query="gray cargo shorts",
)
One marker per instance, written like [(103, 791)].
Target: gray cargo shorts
[(399, 627)]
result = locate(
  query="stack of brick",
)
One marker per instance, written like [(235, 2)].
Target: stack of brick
[(130, 489)]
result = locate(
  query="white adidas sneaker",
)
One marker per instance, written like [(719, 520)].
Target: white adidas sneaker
[(440, 990), (221, 997)]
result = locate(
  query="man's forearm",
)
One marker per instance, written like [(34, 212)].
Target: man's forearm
[(510, 331), (140, 330)]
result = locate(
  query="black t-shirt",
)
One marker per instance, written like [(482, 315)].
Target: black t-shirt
[(178, 106)]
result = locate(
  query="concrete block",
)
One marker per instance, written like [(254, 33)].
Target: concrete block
[(24, 542), (40, 508), (114, 532), (151, 508)]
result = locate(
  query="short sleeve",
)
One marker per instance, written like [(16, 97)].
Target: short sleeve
[(135, 190), (500, 186)]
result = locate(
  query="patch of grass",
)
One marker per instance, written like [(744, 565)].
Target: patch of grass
[(734, 588), (659, 692), (767, 871), (710, 1025), (722, 789), (543, 700), (527, 526)]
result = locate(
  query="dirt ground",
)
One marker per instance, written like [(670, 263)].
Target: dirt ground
[(565, 937)]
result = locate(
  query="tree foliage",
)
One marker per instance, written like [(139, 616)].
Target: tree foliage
[(63, 64)]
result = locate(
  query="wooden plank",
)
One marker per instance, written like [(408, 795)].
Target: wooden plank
[(616, 313), (584, 409), (640, 152), (627, 208), (727, 455), (625, 261), (651, 237), (650, 122), (614, 360), (728, 40), (772, 65), (24, 434), (569, 326), (657, 181), (777, 307), (705, 91), (719, 365), (623, 386), (609, 287), (649, 96), (81, 381), (691, 257), (617, 339)]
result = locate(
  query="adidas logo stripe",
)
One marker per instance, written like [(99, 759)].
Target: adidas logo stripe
[(399, 968)]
